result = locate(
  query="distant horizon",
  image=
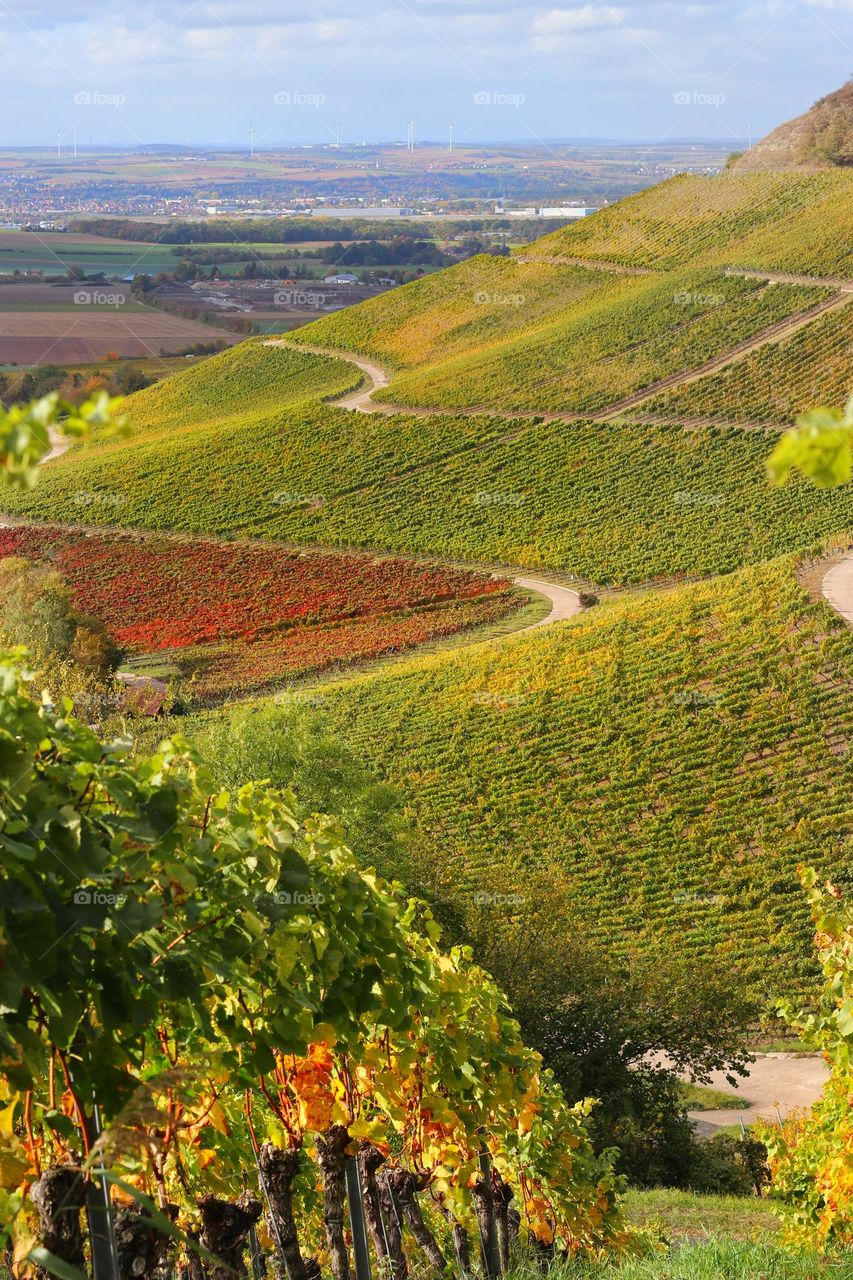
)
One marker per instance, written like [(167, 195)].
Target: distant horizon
[(238, 147), (520, 70)]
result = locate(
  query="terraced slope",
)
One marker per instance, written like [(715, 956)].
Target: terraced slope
[(653, 770)]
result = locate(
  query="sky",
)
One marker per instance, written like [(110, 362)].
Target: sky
[(207, 71)]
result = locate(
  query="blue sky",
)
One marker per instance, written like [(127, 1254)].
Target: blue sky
[(148, 70)]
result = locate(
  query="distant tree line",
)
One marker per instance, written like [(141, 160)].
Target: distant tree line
[(284, 230)]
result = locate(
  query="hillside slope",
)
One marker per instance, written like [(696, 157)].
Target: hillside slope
[(820, 138), (653, 770), (801, 222)]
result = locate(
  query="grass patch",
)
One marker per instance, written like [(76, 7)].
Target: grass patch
[(697, 1097)]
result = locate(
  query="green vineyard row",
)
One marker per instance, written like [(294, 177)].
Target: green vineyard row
[(774, 383), (604, 501), (653, 770)]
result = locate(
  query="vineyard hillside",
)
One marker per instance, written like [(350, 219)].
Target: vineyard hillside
[(775, 221), (652, 770), (600, 405)]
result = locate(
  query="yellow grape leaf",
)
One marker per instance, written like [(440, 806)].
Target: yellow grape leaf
[(7, 1116), (216, 1116), (315, 1112), (23, 1244), (14, 1165)]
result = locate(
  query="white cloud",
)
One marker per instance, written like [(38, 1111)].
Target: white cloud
[(589, 17)]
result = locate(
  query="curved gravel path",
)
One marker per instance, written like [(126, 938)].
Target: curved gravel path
[(376, 377), (777, 1081), (837, 588), (565, 603)]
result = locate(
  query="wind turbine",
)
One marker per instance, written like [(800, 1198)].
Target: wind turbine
[(59, 146), (252, 132)]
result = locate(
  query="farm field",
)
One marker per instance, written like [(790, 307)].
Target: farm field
[(655, 768), (234, 619), (79, 322), (56, 252), (85, 333)]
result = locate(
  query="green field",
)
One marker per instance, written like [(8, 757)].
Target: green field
[(55, 253)]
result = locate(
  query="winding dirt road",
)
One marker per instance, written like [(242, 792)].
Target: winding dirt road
[(787, 1081), (565, 603), (375, 375), (837, 588)]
